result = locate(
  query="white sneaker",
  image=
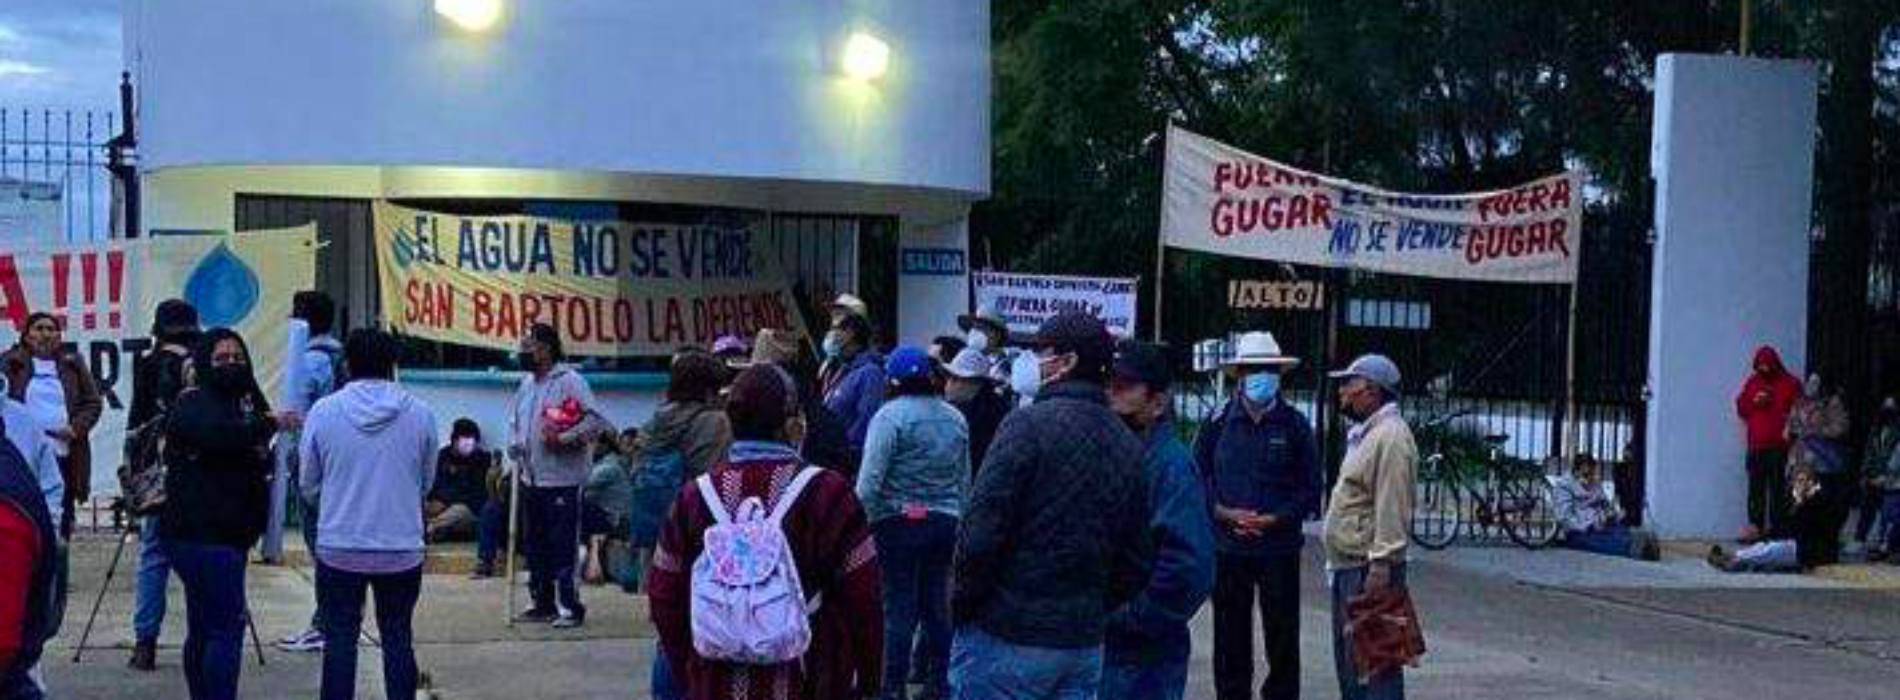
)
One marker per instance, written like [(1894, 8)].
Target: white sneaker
[(303, 642)]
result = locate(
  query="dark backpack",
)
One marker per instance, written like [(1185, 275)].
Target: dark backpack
[(142, 474)]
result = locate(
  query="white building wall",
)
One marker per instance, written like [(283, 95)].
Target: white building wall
[(723, 88), (1733, 158)]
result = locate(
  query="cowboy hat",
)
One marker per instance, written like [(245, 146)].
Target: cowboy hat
[(1258, 349), (985, 316)]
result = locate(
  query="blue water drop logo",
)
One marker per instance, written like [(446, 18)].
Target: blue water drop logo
[(223, 288), (403, 246)]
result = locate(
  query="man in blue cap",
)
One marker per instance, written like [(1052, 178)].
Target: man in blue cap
[(1146, 653)]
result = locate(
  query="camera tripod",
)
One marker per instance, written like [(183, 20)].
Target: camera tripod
[(118, 554)]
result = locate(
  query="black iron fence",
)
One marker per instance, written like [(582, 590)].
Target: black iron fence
[(54, 184)]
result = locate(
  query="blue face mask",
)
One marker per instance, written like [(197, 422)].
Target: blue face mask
[(1261, 387), (833, 344)]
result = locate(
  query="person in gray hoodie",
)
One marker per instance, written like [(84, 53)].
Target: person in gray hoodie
[(554, 462), (369, 452)]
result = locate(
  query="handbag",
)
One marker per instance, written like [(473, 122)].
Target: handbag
[(1384, 629)]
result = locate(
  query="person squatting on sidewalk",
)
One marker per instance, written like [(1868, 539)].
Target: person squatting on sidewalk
[(1056, 532), (556, 460), (369, 452), (1148, 644)]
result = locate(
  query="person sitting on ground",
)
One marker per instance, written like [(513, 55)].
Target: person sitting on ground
[(1883, 480), (1871, 527), (606, 504), (1798, 543), (1592, 517), (455, 504)]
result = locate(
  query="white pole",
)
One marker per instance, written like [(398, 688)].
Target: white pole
[(514, 510)]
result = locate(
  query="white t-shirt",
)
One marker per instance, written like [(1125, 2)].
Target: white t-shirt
[(46, 400)]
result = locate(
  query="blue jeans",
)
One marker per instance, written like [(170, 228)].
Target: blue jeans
[(214, 616), (665, 686), (20, 686), (1348, 583), (554, 537), (983, 667), (914, 556), (342, 593), (491, 530), (1611, 541), (155, 573), (1889, 532), (1165, 680)]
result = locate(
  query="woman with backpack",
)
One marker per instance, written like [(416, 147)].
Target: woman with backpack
[(217, 491), (916, 470), (764, 520), (683, 440)]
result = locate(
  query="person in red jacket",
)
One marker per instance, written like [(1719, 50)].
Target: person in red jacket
[(1763, 405)]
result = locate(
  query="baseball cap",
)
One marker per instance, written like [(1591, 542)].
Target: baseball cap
[(1145, 363), (907, 362), (1377, 369), (1079, 333)]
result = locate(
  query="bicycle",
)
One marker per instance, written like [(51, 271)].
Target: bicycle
[(1463, 488)]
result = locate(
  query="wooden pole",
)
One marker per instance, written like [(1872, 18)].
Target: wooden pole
[(1748, 7), (1161, 259), (1571, 424), (514, 510)]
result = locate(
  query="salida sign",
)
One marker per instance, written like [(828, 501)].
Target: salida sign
[(1220, 199), (611, 288)]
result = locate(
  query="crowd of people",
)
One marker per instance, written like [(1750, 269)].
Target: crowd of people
[(1804, 480), (927, 522)]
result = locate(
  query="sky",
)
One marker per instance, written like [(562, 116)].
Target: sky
[(59, 54)]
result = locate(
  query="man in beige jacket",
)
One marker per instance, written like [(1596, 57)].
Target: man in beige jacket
[(1367, 521)]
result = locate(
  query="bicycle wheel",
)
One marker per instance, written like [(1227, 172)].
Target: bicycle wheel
[(1437, 507), (1525, 508)]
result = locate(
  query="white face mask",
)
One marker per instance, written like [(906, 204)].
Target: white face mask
[(977, 340), (1025, 374), (465, 446)]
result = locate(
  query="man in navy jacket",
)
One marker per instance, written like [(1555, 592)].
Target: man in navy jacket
[(1258, 461), (1148, 643)]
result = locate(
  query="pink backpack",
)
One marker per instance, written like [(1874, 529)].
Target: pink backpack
[(748, 604)]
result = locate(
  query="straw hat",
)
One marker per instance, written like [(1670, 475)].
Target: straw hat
[(1259, 349)]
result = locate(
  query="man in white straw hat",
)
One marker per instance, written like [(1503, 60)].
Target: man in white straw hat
[(1258, 461), (1368, 518)]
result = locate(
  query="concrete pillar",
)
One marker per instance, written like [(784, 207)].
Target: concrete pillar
[(933, 280), (1733, 158)]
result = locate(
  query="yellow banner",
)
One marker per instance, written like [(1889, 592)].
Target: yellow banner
[(612, 288)]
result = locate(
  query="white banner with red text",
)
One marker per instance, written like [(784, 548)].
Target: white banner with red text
[(1220, 199)]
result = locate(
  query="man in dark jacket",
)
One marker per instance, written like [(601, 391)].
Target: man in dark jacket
[(157, 379), (1763, 404), (1258, 461), (28, 540), (1055, 535), (1148, 640)]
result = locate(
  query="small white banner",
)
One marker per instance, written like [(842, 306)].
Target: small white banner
[(1220, 199), (1025, 301)]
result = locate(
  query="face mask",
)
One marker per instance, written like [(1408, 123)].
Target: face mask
[(465, 446), (977, 340), (1261, 387), (1025, 376), (834, 344), (230, 380)]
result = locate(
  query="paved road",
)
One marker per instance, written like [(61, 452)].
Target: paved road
[(1502, 624)]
